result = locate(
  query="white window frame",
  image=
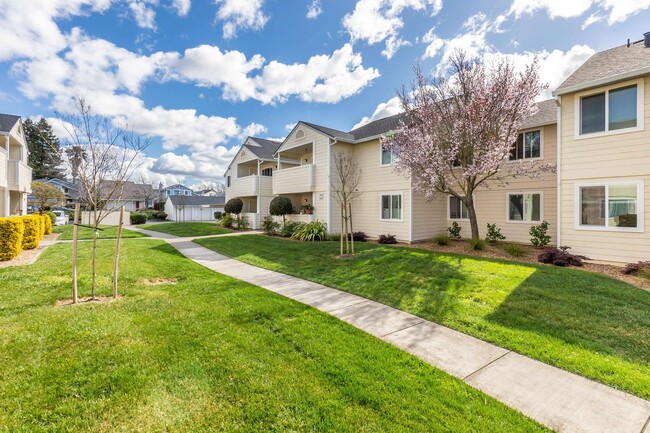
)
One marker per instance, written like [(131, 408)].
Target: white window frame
[(391, 193), (541, 146), (640, 94), (393, 157), (640, 228), (449, 218), (541, 207)]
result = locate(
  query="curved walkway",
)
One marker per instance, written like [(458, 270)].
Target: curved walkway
[(558, 399)]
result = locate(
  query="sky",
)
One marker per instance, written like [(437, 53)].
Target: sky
[(199, 76)]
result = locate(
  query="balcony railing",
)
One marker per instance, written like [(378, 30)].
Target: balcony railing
[(294, 180), (19, 176), (3, 169)]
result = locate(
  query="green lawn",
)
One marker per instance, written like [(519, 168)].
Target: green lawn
[(187, 229), (109, 232), (207, 354), (579, 321)]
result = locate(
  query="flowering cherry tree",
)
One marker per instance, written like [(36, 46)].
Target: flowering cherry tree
[(457, 133)]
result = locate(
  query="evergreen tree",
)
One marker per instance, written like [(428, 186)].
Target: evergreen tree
[(44, 149)]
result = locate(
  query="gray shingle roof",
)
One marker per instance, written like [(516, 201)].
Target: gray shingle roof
[(546, 115), (266, 148), (7, 122), (378, 127), (334, 133), (197, 200), (618, 61)]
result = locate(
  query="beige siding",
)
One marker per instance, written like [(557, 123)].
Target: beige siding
[(3, 169), (609, 158), (428, 217)]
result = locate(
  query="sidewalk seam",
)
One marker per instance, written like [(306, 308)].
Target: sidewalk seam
[(400, 330), (486, 365), (647, 423)]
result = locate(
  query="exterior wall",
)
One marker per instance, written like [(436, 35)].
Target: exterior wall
[(624, 156), (492, 205), (429, 218), (3, 168)]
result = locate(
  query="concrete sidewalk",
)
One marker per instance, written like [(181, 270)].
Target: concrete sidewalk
[(558, 399)]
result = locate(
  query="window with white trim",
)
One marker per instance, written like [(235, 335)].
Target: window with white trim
[(610, 110), (527, 146), (388, 157), (609, 205), (228, 181), (267, 171), (525, 207), (457, 209), (391, 206)]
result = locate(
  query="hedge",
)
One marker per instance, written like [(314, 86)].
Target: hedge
[(48, 222), (34, 230), (138, 218), (11, 237)]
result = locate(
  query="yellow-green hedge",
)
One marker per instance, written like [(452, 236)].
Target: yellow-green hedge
[(34, 230), (47, 224), (11, 237)]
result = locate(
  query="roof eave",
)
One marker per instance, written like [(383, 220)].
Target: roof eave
[(602, 81)]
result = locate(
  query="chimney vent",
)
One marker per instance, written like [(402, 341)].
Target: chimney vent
[(646, 39), (628, 42)]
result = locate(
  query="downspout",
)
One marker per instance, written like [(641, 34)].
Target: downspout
[(558, 236), (329, 186), (259, 196)]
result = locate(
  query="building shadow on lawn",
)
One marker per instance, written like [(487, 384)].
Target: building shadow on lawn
[(581, 309)]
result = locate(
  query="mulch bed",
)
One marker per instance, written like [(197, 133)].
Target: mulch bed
[(25, 257)]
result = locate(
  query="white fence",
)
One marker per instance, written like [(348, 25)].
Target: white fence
[(111, 219)]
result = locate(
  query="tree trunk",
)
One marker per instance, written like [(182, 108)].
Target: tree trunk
[(116, 261), (341, 240), (94, 285), (75, 231), (351, 228), (471, 212)]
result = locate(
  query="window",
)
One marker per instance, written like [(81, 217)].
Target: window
[(228, 181), (391, 207), (388, 157), (525, 207), (527, 146), (609, 206), (457, 209), (267, 172), (609, 111)]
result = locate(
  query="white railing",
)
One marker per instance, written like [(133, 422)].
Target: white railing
[(19, 176), (3, 169), (245, 186), (294, 180)]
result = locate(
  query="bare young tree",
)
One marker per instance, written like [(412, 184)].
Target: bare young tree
[(145, 190), (105, 156), (458, 132), (345, 187)]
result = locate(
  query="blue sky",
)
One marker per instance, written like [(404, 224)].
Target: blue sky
[(198, 76)]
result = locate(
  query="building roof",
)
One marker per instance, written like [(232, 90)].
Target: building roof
[(7, 122), (130, 190), (546, 115), (266, 147), (197, 200), (378, 127), (70, 189), (608, 66), (334, 133), (177, 186)]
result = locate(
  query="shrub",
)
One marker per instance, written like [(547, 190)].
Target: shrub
[(493, 234), (281, 206), (441, 240), (476, 244), (310, 232), (560, 257), (454, 230), (11, 237), (269, 225), (161, 215), (359, 236), (47, 220), (52, 216), (234, 206), (151, 214), (540, 236), (336, 237), (243, 223), (515, 250), (227, 221), (218, 215), (33, 231), (288, 229), (634, 268), (138, 218), (387, 239)]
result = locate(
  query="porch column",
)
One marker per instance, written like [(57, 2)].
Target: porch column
[(5, 203)]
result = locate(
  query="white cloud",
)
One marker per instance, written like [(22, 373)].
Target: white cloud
[(240, 15), (290, 126), (182, 6), (143, 14), (314, 9), (617, 10), (385, 109), (375, 21), (252, 130), (208, 165)]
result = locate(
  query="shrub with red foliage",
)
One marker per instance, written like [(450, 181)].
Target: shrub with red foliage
[(561, 257)]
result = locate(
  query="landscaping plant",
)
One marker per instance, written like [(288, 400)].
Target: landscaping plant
[(226, 221), (137, 218), (270, 226), (540, 236), (515, 250), (493, 234), (243, 223), (476, 244), (441, 240), (454, 231), (310, 232), (387, 239), (288, 229), (561, 257), (635, 268), (234, 206)]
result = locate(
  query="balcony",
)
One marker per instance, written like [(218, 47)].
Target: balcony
[(294, 180), (250, 186), (3, 169), (19, 176)]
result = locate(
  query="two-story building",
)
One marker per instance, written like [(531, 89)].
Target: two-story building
[(15, 174)]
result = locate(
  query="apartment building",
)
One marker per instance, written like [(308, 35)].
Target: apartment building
[(15, 174)]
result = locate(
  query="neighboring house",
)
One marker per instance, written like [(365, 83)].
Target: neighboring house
[(208, 192), (70, 190), (604, 160), (193, 208), (15, 174), (133, 196), (176, 190)]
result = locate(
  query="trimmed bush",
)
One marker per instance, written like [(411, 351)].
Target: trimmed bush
[(11, 237), (634, 268), (560, 257), (540, 236), (359, 236), (269, 225), (310, 232), (476, 244), (494, 234), (33, 231), (234, 206), (454, 231), (161, 215), (515, 250), (52, 216), (48, 222), (441, 240), (387, 239), (138, 218), (218, 215)]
